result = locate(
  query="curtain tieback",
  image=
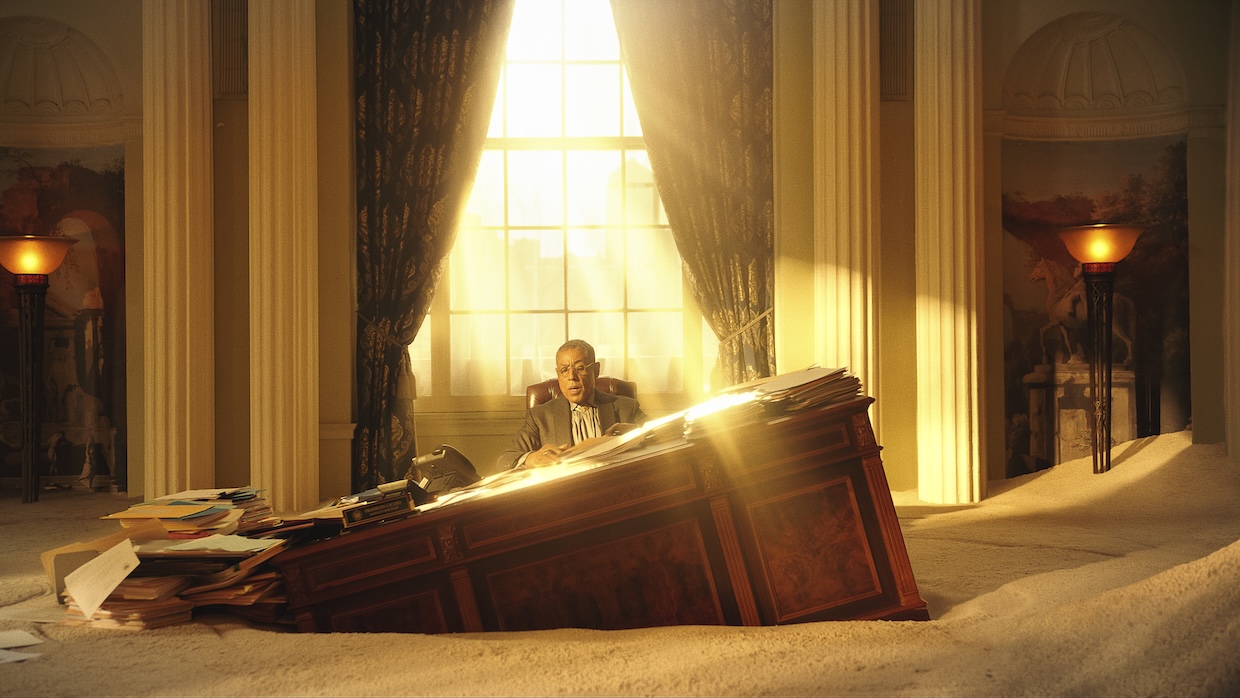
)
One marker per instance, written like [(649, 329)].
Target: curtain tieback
[(406, 382), (372, 329), (746, 326)]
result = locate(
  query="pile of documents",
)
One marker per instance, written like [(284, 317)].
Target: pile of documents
[(766, 398), (199, 513), (152, 583), (811, 387), (169, 559)]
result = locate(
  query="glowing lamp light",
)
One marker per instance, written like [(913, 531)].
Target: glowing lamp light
[(1103, 243), (33, 254), (1098, 247)]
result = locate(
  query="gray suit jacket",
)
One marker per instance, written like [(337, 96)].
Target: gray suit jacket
[(552, 423)]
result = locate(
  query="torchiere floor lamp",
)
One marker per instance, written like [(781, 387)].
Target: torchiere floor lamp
[(1098, 247), (31, 258)]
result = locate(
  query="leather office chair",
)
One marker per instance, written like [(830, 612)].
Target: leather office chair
[(548, 390)]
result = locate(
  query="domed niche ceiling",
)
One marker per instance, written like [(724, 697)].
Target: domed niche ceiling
[(49, 69), (1086, 63)]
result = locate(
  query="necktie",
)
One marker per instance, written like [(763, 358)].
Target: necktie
[(585, 423)]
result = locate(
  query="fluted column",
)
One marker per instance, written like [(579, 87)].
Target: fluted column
[(948, 134), (178, 339), (284, 349), (846, 186)]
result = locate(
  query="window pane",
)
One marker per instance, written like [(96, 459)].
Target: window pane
[(535, 187), (536, 270), (539, 117), (642, 205), (496, 128), (656, 352), (592, 100), (632, 124), (653, 269), (486, 200), (477, 366), (420, 360), (605, 332), (590, 193), (592, 31), (477, 270), (561, 234), (595, 269), (535, 33), (534, 339)]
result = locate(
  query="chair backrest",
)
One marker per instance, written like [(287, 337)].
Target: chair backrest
[(549, 390)]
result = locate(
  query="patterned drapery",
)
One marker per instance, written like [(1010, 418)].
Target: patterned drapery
[(702, 73), (426, 73)]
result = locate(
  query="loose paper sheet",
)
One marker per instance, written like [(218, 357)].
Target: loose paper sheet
[(9, 656), (17, 638), (227, 542), (91, 583)]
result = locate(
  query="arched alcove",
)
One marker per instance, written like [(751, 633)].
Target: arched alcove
[(64, 137), (1095, 129)]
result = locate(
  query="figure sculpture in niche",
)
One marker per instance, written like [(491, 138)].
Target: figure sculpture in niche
[(1068, 309)]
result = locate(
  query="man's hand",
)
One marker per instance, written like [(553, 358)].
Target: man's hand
[(547, 455)]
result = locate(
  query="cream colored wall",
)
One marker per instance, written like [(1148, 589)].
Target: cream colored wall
[(232, 293), (337, 265), (794, 178), (897, 334), (795, 311)]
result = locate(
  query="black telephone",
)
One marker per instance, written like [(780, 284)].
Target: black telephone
[(444, 470)]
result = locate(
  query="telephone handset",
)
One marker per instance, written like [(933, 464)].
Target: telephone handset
[(443, 470)]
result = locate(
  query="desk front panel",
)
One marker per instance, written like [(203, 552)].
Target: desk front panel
[(779, 522)]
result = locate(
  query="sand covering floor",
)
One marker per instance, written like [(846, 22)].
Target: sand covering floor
[(1059, 583)]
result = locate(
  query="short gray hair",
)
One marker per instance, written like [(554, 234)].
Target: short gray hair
[(578, 344)]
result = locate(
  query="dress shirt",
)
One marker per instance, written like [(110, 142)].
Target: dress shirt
[(585, 423)]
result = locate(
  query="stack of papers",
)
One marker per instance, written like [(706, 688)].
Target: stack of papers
[(255, 512), (139, 580), (184, 519), (811, 387), (767, 398)]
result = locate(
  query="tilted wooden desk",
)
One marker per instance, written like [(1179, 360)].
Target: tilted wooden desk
[(769, 523)]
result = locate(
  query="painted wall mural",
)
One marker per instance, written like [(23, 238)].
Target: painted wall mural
[(77, 193), (1052, 184)]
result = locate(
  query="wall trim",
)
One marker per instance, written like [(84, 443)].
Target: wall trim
[(1035, 128), (70, 134)]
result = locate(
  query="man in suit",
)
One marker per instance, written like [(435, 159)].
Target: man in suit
[(579, 412)]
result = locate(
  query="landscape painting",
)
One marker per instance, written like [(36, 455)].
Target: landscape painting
[(1048, 185)]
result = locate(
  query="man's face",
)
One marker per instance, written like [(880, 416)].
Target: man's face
[(576, 376)]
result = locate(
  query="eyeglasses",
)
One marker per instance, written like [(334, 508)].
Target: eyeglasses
[(578, 370)]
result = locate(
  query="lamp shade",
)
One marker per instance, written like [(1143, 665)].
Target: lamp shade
[(1101, 243), (33, 254)]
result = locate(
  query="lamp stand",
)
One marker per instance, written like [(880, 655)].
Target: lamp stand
[(1100, 288), (32, 289)]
